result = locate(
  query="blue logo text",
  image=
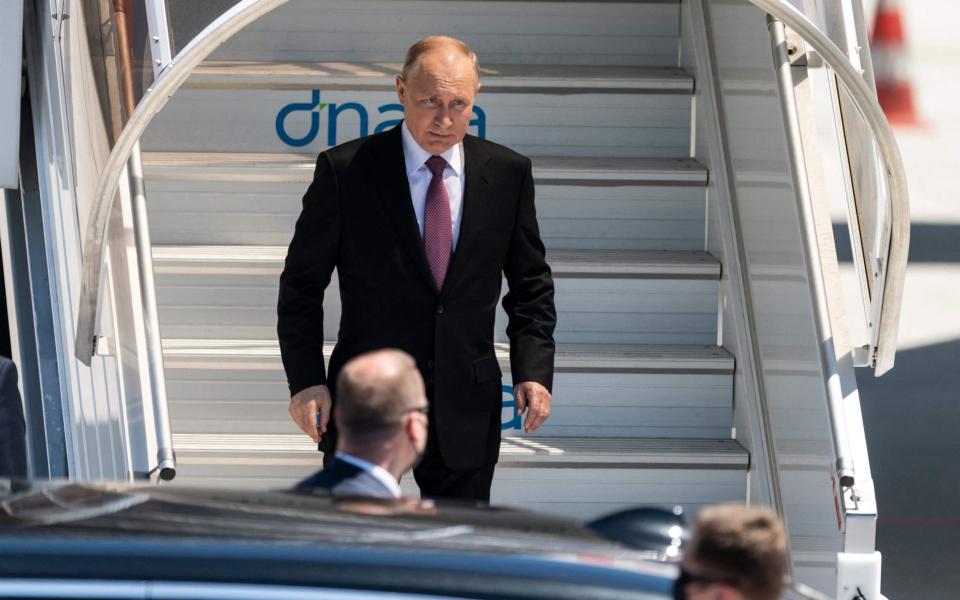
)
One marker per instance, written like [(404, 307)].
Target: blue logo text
[(312, 110), (514, 422)]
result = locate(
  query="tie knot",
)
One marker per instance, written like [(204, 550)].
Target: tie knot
[(436, 164)]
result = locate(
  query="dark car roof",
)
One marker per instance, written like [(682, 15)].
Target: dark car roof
[(147, 532)]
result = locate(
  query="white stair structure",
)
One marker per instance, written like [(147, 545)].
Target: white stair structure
[(594, 94)]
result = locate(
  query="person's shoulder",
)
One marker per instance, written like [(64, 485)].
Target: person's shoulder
[(348, 153), (499, 154), (330, 476)]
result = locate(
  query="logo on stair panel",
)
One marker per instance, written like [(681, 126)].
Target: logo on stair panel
[(510, 403), (392, 113)]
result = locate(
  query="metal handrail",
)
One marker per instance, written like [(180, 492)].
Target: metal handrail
[(167, 83), (166, 461), (891, 273), (810, 243)]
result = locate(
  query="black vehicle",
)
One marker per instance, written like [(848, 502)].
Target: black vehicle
[(68, 540)]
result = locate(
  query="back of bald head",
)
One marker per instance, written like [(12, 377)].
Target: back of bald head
[(375, 391), (437, 43)]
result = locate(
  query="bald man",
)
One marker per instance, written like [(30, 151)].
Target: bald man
[(382, 419), (422, 222)]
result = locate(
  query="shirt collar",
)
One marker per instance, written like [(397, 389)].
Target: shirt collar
[(415, 156), (377, 471)]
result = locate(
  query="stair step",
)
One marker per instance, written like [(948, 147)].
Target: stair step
[(248, 260), (651, 264), (609, 391), (603, 296), (517, 452), (536, 79), (574, 122), (581, 478), (613, 453), (570, 358), (288, 167), (215, 209), (206, 381), (619, 170), (639, 33)]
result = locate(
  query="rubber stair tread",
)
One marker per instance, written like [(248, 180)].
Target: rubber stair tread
[(545, 451), (243, 166), (587, 263), (607, 358), (360, 75)]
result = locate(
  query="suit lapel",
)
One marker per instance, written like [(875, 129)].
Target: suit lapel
[(394, 191), (474, 195)]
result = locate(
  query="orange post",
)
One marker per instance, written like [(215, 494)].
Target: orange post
[(891, 65)]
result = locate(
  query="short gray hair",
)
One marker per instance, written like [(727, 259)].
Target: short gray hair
[(433, 42)]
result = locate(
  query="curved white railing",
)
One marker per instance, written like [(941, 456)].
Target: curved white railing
[(890, 273), (168, 82)]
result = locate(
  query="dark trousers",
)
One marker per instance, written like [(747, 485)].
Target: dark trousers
[(435, 479)]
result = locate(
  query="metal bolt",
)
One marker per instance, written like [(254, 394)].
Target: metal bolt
[(156, 39)]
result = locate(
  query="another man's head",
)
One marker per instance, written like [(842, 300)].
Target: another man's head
[(736, 553), (381, 410), (437, 87)]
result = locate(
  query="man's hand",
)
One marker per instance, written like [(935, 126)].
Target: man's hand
[(304, 407), (533, 399)]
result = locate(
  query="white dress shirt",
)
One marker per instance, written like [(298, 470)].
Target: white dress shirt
[(376, 471), (419, 177)]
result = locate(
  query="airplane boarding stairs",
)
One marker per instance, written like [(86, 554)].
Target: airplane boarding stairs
[(594, 94), (686, 155)]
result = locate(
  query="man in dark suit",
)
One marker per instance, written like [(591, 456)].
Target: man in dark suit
[(381, 418), (13, 445), (421, 223)]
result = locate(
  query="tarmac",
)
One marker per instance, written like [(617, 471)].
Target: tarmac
[(912, 414)]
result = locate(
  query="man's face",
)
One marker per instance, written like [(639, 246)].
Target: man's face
[(437, 99)]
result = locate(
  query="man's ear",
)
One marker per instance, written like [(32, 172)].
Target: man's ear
[(412, 430), (401, 88), (409, 427)]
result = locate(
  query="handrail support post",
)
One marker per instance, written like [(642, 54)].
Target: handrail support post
[(821, 311)]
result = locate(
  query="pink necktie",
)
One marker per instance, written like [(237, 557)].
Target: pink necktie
[(437, 227)]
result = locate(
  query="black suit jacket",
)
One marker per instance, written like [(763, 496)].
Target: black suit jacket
[(341, 477), (358, 218)]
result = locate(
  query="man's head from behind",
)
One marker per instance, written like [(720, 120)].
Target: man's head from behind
[(736, 553), (437, 87), (381, 410)]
